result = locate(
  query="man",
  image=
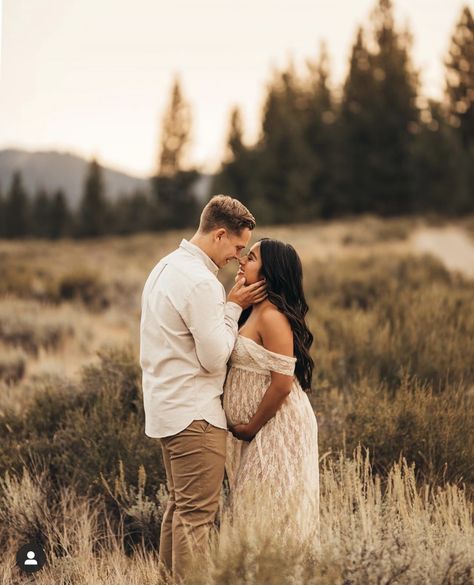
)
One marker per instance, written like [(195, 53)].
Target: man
[(187, 334)]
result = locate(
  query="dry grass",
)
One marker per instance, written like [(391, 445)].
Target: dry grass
[(394, 373), (373, 530)]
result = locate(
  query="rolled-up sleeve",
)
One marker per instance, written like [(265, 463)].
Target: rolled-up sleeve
[(212, 323)]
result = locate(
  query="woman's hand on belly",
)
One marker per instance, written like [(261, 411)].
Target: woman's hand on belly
[(243, 432)]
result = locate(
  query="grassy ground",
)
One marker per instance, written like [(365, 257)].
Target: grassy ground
[(393, 393)]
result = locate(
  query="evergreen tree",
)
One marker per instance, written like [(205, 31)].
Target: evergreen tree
[(41, 215), (237, 172), (357, 130), (93, 211), (460, 78), (132, 213), (17, 209), (176, 205), (459, 91), (2, 215), (380, 119), (61, 219), (284, 158), (176, 129), (235, 144), (397, 87), (439, 159), (320, 135), (140, 206)]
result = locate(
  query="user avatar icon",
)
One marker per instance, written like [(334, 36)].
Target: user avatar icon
[(30, 557)]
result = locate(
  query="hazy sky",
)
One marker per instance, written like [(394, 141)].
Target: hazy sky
[(94, 76)]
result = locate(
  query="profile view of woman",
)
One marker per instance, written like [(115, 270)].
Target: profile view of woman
[(272, 445)]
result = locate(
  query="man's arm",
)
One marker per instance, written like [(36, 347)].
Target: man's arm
[(213, 324)]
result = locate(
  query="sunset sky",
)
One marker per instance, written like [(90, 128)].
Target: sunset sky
[(93, 76)]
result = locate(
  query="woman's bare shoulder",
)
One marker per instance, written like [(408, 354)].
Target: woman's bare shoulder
[(275, 330)]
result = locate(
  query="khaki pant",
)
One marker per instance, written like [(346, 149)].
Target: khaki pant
[(194, 462)]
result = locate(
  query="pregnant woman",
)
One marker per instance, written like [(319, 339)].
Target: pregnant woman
[(272, 446)]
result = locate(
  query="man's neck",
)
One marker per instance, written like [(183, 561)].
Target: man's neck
[(201, 243)]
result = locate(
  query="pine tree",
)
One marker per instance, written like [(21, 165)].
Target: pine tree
[(41, 215), (2, 215), (176, 129), (61, 220), (17, 209), (357, 130), (235, 143), (320, 135), (132, 213), (397, 87), (237, 173), (284, 157), (460, 78), (439, 163), (172, 186), (381, 118), (459, 90), (93, 211), (176, 205), (228, 179)]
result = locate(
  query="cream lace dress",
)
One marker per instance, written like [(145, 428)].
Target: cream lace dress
[(283, 456)]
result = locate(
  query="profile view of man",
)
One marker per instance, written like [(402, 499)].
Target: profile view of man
[(187, 332)]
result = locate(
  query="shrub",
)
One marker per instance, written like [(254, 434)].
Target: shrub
[(141, 515), (17, 279), (396, 316), (370, 229), (432, 430), (363, 282), (24, 278), (12, 365), (28, 326), (24, 506), (86, 287), (80, 431)]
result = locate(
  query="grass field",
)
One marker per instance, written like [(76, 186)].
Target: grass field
[(392, 313)]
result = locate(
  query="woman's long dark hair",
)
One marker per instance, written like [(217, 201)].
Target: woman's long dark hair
[(282, 269)]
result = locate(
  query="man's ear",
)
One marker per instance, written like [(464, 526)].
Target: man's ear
[(219, 233)]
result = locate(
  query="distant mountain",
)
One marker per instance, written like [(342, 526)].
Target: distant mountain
[(53, 170)]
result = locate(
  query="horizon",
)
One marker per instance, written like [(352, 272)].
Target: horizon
[(104, 97)]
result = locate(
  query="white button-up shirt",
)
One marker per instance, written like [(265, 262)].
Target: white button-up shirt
[(187, 333)]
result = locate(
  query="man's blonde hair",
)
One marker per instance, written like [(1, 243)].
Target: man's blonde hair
[(227, 212)]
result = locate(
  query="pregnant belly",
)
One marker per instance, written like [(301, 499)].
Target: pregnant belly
[(243, 391)]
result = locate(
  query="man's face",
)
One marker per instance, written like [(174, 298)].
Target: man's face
[(229, 246)]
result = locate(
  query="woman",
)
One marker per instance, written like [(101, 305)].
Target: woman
[(273, 443)]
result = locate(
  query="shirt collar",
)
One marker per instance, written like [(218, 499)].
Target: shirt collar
[(196, 251)]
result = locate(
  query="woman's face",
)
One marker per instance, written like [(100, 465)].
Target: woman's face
[(250, 265)]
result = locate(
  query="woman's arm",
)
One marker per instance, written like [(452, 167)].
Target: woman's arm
[(277, 336)]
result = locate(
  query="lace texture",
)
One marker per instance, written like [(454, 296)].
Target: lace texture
[(283, 456)]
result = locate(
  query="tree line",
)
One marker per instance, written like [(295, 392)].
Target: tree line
[(375, 144), (49, 215)]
